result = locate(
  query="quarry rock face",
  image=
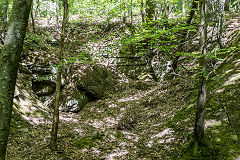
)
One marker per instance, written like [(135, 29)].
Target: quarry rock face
[(80, 85)]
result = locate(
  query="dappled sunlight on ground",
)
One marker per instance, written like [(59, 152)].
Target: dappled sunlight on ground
[(112, 106), (35, 120), (233, 79), (110, 122), (163, 133), (96, 124), (131, 136), (78, 130), (237, 63), (117, 153), (137, 96), (212, 122), (69, 117), (107, 122)]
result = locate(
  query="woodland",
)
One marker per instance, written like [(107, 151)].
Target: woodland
[(119, 79)]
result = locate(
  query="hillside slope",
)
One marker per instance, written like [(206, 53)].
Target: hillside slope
[(146, 120), (135, 120)]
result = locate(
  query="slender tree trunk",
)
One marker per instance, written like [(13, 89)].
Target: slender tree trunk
[(142, 11), (150, 13), (131, 11), (220, 25), (32, 18), (185, 33), (9, 62), (38, 12), (53, 142), (201, 103), (124, 18), (48, 11)]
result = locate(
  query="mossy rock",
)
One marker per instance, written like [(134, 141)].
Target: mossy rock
[(94, 82)]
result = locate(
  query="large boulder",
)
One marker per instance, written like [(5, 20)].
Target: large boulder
[(85, 85), (93, 82)]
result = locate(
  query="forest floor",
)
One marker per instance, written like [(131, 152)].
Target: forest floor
[(132, 123), (139, 119)]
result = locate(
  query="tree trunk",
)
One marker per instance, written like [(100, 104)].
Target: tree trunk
[(142, 11), (201, 103), (5, 18), (38, 12), (53, 142), (9, 63), (220, 25), (48, 11), (185, 33), (32, 18), (131, 11)]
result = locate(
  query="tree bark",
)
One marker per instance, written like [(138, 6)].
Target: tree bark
[(5, 18), (9, 63), (142, 11), (220, 25), (201, 103), (53, 141), (37, 10), (131, 11), (33, 21)]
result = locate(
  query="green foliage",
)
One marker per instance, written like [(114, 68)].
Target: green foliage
[(36, 41), (40, 79), (82, 58), (87, 142), (221, 144), (159, 34), (96, 8)]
